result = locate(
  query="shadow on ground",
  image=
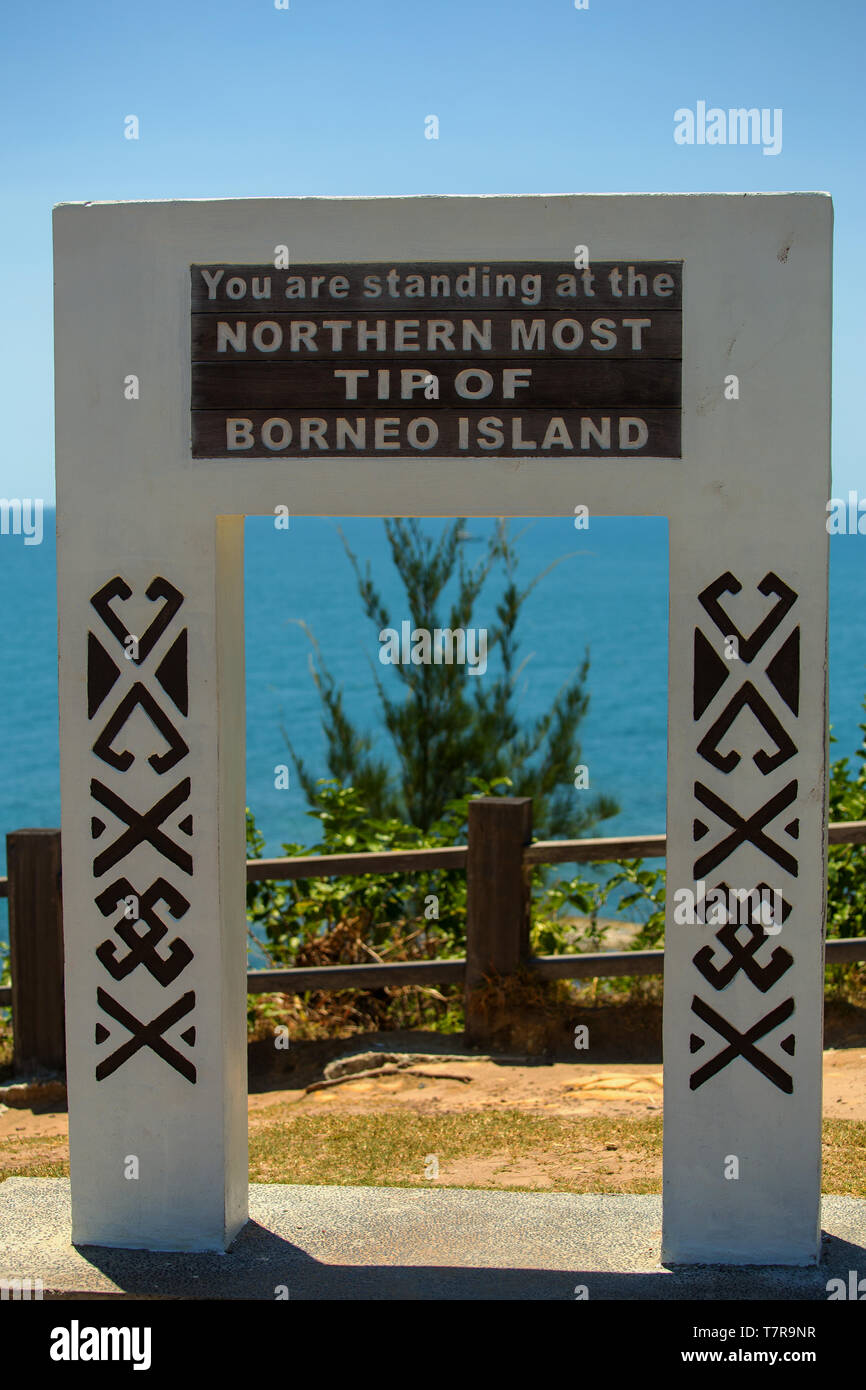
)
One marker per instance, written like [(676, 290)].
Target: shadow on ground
[(275, 1268)]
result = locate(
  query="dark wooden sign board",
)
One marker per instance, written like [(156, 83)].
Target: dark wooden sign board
[(452, 359)]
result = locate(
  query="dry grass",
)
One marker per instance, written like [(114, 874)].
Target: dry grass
[(391, 1150), (562, 1155), (844, 1157), (509, 1149), (34, 1158)]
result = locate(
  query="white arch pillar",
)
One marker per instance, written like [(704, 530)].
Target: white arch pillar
[(152, 764)]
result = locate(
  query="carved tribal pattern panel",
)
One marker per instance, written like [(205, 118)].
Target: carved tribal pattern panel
[(765, 680), (135, 911)]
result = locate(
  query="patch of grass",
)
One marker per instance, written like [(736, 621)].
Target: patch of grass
[(35, 1170), (844, 1152), (390, 1150), (39, 1157)]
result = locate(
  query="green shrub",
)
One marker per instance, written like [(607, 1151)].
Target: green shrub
[(422, 915)]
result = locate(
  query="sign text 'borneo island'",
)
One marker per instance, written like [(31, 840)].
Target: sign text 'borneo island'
[(437, 358)]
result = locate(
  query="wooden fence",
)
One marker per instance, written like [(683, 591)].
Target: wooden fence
[(496, 858)]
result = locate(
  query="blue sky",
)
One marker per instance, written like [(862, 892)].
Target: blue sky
[(330, 96)]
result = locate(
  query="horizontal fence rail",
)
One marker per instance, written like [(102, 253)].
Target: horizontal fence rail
[(386, 861), (298, 979), (586, 965), (589, 965), (497, 928), (572, 966), (455, 856)]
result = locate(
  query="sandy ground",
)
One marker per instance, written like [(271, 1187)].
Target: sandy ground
[(562, 1088)]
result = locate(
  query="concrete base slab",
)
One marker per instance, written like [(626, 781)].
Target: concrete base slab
[(399, 1243)]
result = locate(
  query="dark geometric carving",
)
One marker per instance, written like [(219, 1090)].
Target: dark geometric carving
[(157, 588), (742, 957), (747, 695), (746, 829), (172, 673), (711, 672), (142, 827), (142, 949), (143, 932), (101, 674), (743, 1045), (784, 671), (747, 647), (146, 1035), (160, 762)]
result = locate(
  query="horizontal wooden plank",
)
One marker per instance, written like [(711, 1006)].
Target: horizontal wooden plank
[(454, 856), (847, 832), (422, 973), (589, 965), (342, 286), (598, 965), (376, 861), (579, 966), (648, 846), (608, 964), (240, 386), (518, 433), (531, 335), (844, 949), (588, 851)]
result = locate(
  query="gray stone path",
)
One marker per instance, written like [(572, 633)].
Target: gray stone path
[(399, 1243)]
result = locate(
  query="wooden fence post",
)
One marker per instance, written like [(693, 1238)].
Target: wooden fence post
[(36, 950), (497, 899)]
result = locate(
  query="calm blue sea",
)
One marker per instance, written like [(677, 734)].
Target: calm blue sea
[(607, 590)]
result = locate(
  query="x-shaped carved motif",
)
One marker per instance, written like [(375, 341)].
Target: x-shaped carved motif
[(143, 826), (745, 829), (146, 1035), (743, 1045)]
